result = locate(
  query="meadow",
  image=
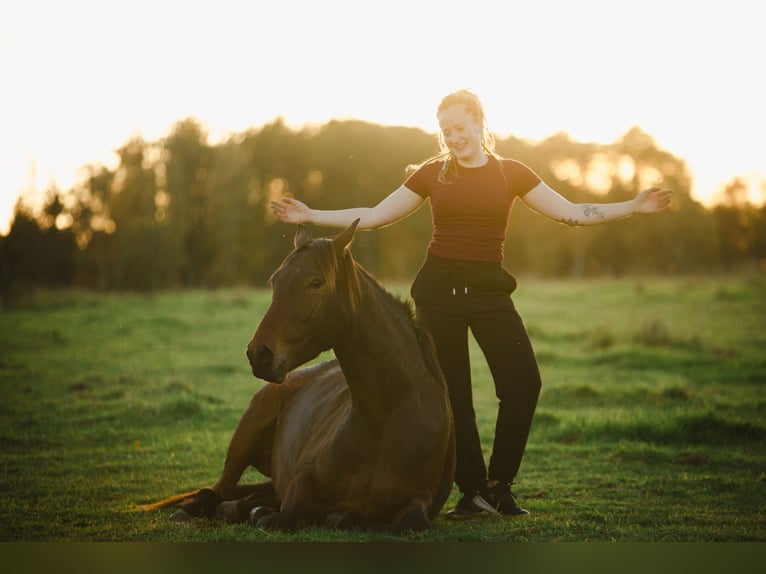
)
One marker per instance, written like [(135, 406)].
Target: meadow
[(651, 425)]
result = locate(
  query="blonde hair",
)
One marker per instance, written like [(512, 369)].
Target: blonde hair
[(475, 109)]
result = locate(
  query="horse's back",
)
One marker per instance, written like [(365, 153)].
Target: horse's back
[(256, 433), (280, 395), (370, 468), (318, 402), (327, 372)]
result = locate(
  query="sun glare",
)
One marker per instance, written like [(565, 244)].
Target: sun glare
[(540, 68)]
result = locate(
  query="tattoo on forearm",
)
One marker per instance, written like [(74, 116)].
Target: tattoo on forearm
[(589, 212), (592, 211)]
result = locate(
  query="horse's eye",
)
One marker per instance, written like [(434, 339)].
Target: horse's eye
[(316, 283)]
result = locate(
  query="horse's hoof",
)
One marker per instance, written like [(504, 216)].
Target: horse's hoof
[(414, 521), (228, 511), (276, 521), (341, 521), (257, 513), (180, 515), (205, 502)]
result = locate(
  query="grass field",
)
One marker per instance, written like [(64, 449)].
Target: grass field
[(651, 425)]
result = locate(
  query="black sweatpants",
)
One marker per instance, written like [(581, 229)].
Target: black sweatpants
[(451, 298)]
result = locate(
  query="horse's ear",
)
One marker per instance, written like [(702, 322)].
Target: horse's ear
[(302, 236), (343, 239)]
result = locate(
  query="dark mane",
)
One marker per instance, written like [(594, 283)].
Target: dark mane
[(349, 275), (408, 314)]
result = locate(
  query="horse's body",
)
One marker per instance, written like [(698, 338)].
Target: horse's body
[(366, 438)]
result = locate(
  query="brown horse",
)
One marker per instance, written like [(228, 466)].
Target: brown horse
[(365, 439)]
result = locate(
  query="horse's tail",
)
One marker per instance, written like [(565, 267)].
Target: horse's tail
[(261, 490), (177, 500)]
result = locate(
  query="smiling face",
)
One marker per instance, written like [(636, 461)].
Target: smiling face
[(462, 133)]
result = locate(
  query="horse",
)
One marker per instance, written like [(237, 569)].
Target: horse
[(363, 440)]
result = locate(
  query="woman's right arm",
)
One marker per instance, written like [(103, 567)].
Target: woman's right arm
[(394, 207)]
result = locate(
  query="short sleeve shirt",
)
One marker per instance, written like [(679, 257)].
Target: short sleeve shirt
[(470, 212)]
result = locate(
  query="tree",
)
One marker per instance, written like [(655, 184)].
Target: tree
[(141, 258), (36, 251), (182, 201), (182, 212), (740, 227)]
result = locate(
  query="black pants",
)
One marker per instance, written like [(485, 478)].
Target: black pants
[(451, 298)]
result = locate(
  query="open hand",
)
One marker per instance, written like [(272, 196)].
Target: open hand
[(652, 200), (290, 210)]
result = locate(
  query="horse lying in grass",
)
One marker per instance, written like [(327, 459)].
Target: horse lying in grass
[(364, 440)]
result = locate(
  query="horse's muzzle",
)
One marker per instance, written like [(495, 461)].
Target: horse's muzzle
[(262, 362)]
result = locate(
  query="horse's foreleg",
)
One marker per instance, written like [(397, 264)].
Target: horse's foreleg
[(414, 516), (247, 497), (252, 441), (250, 445), (206, 502)]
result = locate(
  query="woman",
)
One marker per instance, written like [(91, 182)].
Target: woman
[(462, 285)]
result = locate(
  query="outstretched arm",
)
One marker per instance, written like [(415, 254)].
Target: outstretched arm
[(396, 206), (547, 202)]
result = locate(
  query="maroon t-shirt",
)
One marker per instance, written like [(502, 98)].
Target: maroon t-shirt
[(470, 212)]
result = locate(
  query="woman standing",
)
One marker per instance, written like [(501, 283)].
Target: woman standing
[(462, 285)]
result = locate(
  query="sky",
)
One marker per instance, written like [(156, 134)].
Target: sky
[(80, 78)]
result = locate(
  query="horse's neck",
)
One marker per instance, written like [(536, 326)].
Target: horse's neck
[(380, 354), (380, 332)]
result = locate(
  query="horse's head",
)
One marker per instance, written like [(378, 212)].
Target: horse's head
[(312, 300)]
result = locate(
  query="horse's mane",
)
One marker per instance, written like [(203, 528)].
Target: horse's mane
[(346, 274)]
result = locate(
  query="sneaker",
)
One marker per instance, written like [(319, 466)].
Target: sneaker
[(465, 508), (498, 500)]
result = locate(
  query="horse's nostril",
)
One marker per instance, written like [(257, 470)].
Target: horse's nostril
[(262, 362), (263, 356)]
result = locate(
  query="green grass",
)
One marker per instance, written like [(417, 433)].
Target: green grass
[(651, 425)]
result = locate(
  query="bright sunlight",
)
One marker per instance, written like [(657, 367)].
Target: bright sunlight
[(81, 84)]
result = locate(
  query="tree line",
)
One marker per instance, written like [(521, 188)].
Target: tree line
[(181, 212)]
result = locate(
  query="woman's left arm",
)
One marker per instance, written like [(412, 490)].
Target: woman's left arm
[(546, 201)]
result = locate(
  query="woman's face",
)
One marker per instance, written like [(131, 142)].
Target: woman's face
[(462, 133)]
